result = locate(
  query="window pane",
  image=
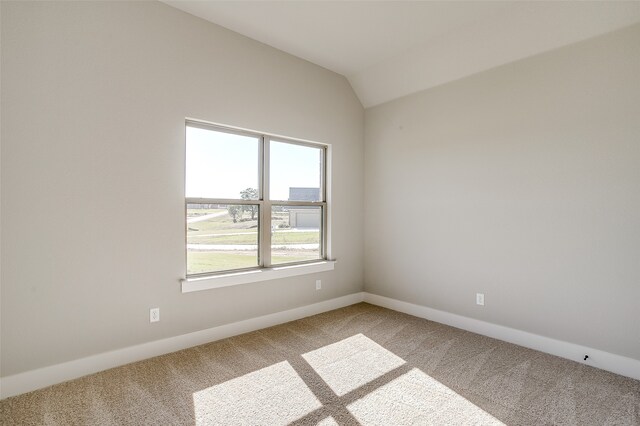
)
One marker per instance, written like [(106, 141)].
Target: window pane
[(221, 165), (295, 234), (295, 172), (221, 237)]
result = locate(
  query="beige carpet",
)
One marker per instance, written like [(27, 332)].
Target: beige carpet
[(357, 365)]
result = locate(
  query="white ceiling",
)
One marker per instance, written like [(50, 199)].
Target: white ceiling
[(389, 49)]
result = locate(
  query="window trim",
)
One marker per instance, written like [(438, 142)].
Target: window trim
[(239, 277), (264, 270)]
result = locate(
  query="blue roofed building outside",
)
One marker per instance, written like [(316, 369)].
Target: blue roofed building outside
[(304, 194), (302, 216)]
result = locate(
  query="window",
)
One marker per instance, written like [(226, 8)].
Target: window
[(252, 201)]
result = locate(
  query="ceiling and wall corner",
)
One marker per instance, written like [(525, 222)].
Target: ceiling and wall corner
[(388, 50)]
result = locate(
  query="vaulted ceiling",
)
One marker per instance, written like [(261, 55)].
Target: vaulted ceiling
[(389, 49)]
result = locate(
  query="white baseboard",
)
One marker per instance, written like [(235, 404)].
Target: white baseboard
[(42, 377), (607, 361)]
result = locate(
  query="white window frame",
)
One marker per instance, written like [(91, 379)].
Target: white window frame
[(265, 270)]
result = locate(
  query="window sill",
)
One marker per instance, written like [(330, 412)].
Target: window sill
[(246, 277)]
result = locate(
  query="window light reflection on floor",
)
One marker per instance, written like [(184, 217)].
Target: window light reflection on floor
[(329, 421), (277, 395), (351, 363), (417, 398), (274, 395)]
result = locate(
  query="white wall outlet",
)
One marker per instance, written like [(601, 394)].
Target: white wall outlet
[(154, 314), (318, 284), (480, 299)]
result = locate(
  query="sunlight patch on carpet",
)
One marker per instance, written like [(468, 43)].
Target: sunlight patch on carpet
[(329, 421), (274, 395), (351, 363), (417, 398)]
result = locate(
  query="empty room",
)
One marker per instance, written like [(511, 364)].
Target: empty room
[(320, 213)]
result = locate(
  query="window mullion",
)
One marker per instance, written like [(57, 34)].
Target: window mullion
[(323, 232), (220, 201), (265, 226), (323, 171)]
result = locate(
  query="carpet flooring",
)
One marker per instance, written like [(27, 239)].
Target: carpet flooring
[(357, 365)]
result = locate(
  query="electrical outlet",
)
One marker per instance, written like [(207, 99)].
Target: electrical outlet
[(480, 299), (318, 284), (154, 314)]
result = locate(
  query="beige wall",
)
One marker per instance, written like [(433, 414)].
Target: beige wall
[(523, 183), (94, 98)]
